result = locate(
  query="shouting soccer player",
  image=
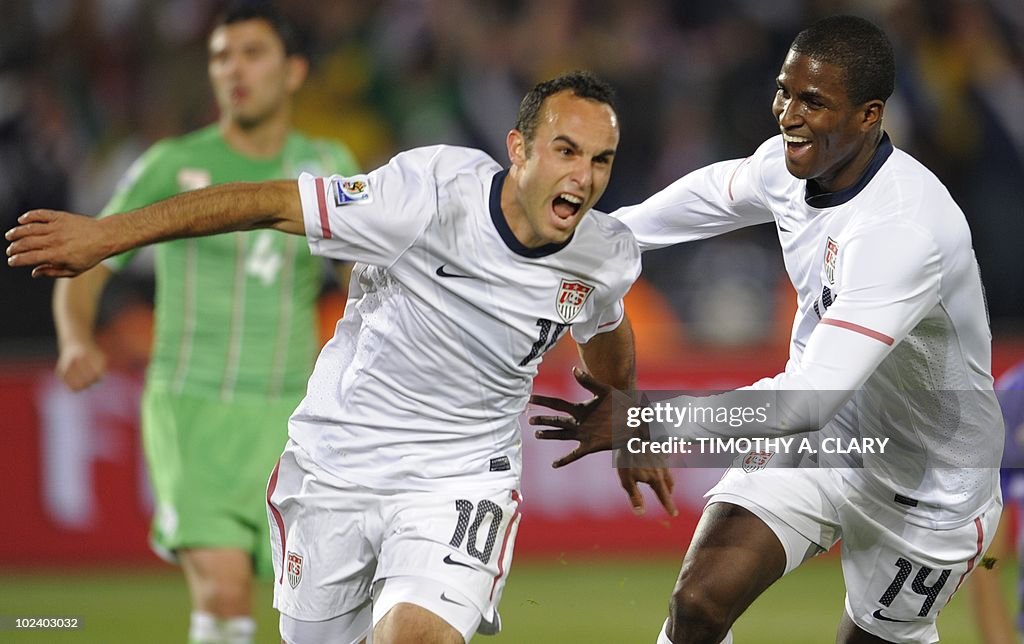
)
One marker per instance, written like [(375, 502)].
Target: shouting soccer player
[(890, 341), (396, 502)]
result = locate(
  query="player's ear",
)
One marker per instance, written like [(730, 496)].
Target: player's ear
[(516, 143), (298, 69), (871, 113)]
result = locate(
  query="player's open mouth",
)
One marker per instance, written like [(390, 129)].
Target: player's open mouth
[(566, 205), (795, 145)]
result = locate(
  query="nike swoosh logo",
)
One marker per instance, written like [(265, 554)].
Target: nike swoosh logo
[(878, 615), (450, 601), (443, 273), (451, 562)]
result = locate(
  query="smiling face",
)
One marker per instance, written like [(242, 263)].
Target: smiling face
[(828, 139), (559, 175), (252, 77)]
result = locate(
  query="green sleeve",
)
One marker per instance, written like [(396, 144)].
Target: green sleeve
[(149, 179)]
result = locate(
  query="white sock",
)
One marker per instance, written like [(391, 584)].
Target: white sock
[(203, 629), (238, 630), (663, 635)]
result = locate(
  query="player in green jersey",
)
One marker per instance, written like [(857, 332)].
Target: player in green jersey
[(235, 335)]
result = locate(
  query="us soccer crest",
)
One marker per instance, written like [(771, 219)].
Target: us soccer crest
[(831, 253), (572, 295), (352, 190), (755, 461), (294, 565)]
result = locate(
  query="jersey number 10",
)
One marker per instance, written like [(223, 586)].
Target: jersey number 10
[(463, 527)]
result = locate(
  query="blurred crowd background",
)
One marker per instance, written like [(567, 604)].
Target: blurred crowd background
[(87, 85)]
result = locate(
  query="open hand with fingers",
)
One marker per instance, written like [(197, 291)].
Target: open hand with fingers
[(592, 423), (658, 477), (589, 422), (58, 244)]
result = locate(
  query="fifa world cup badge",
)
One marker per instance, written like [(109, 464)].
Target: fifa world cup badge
[(348, 190)]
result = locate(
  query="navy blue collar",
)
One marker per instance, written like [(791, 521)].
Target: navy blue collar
[(498, 217), (832, 199)]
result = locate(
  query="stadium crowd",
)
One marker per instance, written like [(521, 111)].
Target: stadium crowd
[(88, 85)]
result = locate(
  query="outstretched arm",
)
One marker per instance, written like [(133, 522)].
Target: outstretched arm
[(882, 302), (61, 244)]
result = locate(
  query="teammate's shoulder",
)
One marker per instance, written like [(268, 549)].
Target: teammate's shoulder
[(768, 163), (604, 228), (448, 160), (605, 224), (771, 157), (772, 147), (909, 190), (910, 172), (452, 155), (605, 247)]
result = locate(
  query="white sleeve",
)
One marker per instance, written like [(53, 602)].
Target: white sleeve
[(371, 218), (710, 201), (612, 310), (606, 320), (890, 278)]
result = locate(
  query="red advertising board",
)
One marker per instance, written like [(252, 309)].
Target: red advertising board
[(75, 490)]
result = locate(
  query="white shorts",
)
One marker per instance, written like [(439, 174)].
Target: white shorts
[(898, 575), (333, 541)]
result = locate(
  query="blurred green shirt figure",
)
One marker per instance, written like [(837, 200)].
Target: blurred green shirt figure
[(236, 332), (235, 313)]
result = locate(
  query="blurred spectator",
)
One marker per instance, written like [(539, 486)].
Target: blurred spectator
[(30, 176)]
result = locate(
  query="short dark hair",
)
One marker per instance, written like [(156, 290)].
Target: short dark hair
[(581, 83), (263, 10), (859, 48)]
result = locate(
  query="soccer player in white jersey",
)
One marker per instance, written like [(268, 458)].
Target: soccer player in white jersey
[(395, 505), (890, 341)]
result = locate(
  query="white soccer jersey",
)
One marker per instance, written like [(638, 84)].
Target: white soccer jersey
[(891, 316), (447, 321)]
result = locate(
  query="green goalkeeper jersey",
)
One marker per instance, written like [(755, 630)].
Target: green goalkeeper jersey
[(235, 313)]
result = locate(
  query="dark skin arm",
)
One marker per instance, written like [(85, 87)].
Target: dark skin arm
[(607, 358)]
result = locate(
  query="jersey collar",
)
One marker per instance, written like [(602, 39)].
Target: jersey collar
[(501, 224), (832, 199)]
